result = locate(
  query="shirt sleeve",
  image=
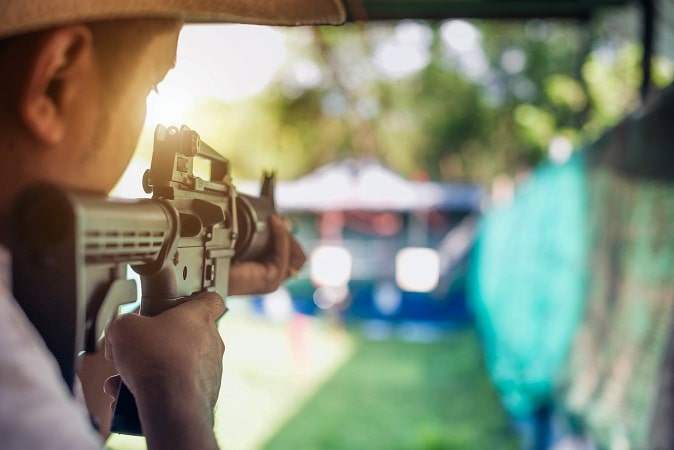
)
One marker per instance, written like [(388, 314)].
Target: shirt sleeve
[(36, 408)]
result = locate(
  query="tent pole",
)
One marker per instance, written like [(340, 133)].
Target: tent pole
[(648, 32)]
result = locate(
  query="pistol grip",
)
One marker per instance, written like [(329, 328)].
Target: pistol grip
[(125, 418)]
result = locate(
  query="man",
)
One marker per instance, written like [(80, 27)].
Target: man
[(74, 77)]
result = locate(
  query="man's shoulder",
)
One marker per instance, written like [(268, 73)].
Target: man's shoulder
[(19, 340), (13, 322), (37, 410)]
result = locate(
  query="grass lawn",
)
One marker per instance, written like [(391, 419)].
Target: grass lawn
[(399, 395), (309, 385)]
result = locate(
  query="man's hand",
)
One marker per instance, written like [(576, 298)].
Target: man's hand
[(94, 369), (172, 363), (266, 276)]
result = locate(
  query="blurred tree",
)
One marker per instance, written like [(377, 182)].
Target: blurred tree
[(455, 100)]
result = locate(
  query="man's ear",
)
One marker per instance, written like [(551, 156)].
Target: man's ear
[(63, 59)]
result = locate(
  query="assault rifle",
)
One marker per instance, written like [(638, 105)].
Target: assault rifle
[(71, 250)]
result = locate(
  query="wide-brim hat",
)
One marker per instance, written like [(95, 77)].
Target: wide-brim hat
[(21, 16)]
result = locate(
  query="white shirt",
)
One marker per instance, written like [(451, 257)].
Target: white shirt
[(37, 410)]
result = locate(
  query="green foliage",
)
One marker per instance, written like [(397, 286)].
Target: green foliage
[(565, 92), (454, 116), (396, 395), (612, 85), (486, 103), (535, 125), (663, 71)]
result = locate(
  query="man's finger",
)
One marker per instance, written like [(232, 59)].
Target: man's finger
[(281, 242), (297, 256), (111, 385), (109, 354), (212, 304)]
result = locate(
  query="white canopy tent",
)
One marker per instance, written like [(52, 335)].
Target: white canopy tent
[(365, 184)]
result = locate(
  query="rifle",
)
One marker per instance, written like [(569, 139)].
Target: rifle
[(71, 250)]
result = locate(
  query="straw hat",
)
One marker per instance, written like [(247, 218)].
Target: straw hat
[(19, 16)]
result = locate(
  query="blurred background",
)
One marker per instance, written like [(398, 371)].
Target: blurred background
[(450, 183)]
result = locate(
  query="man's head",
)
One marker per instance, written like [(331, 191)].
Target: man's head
[(74, 77), (73, 104)]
